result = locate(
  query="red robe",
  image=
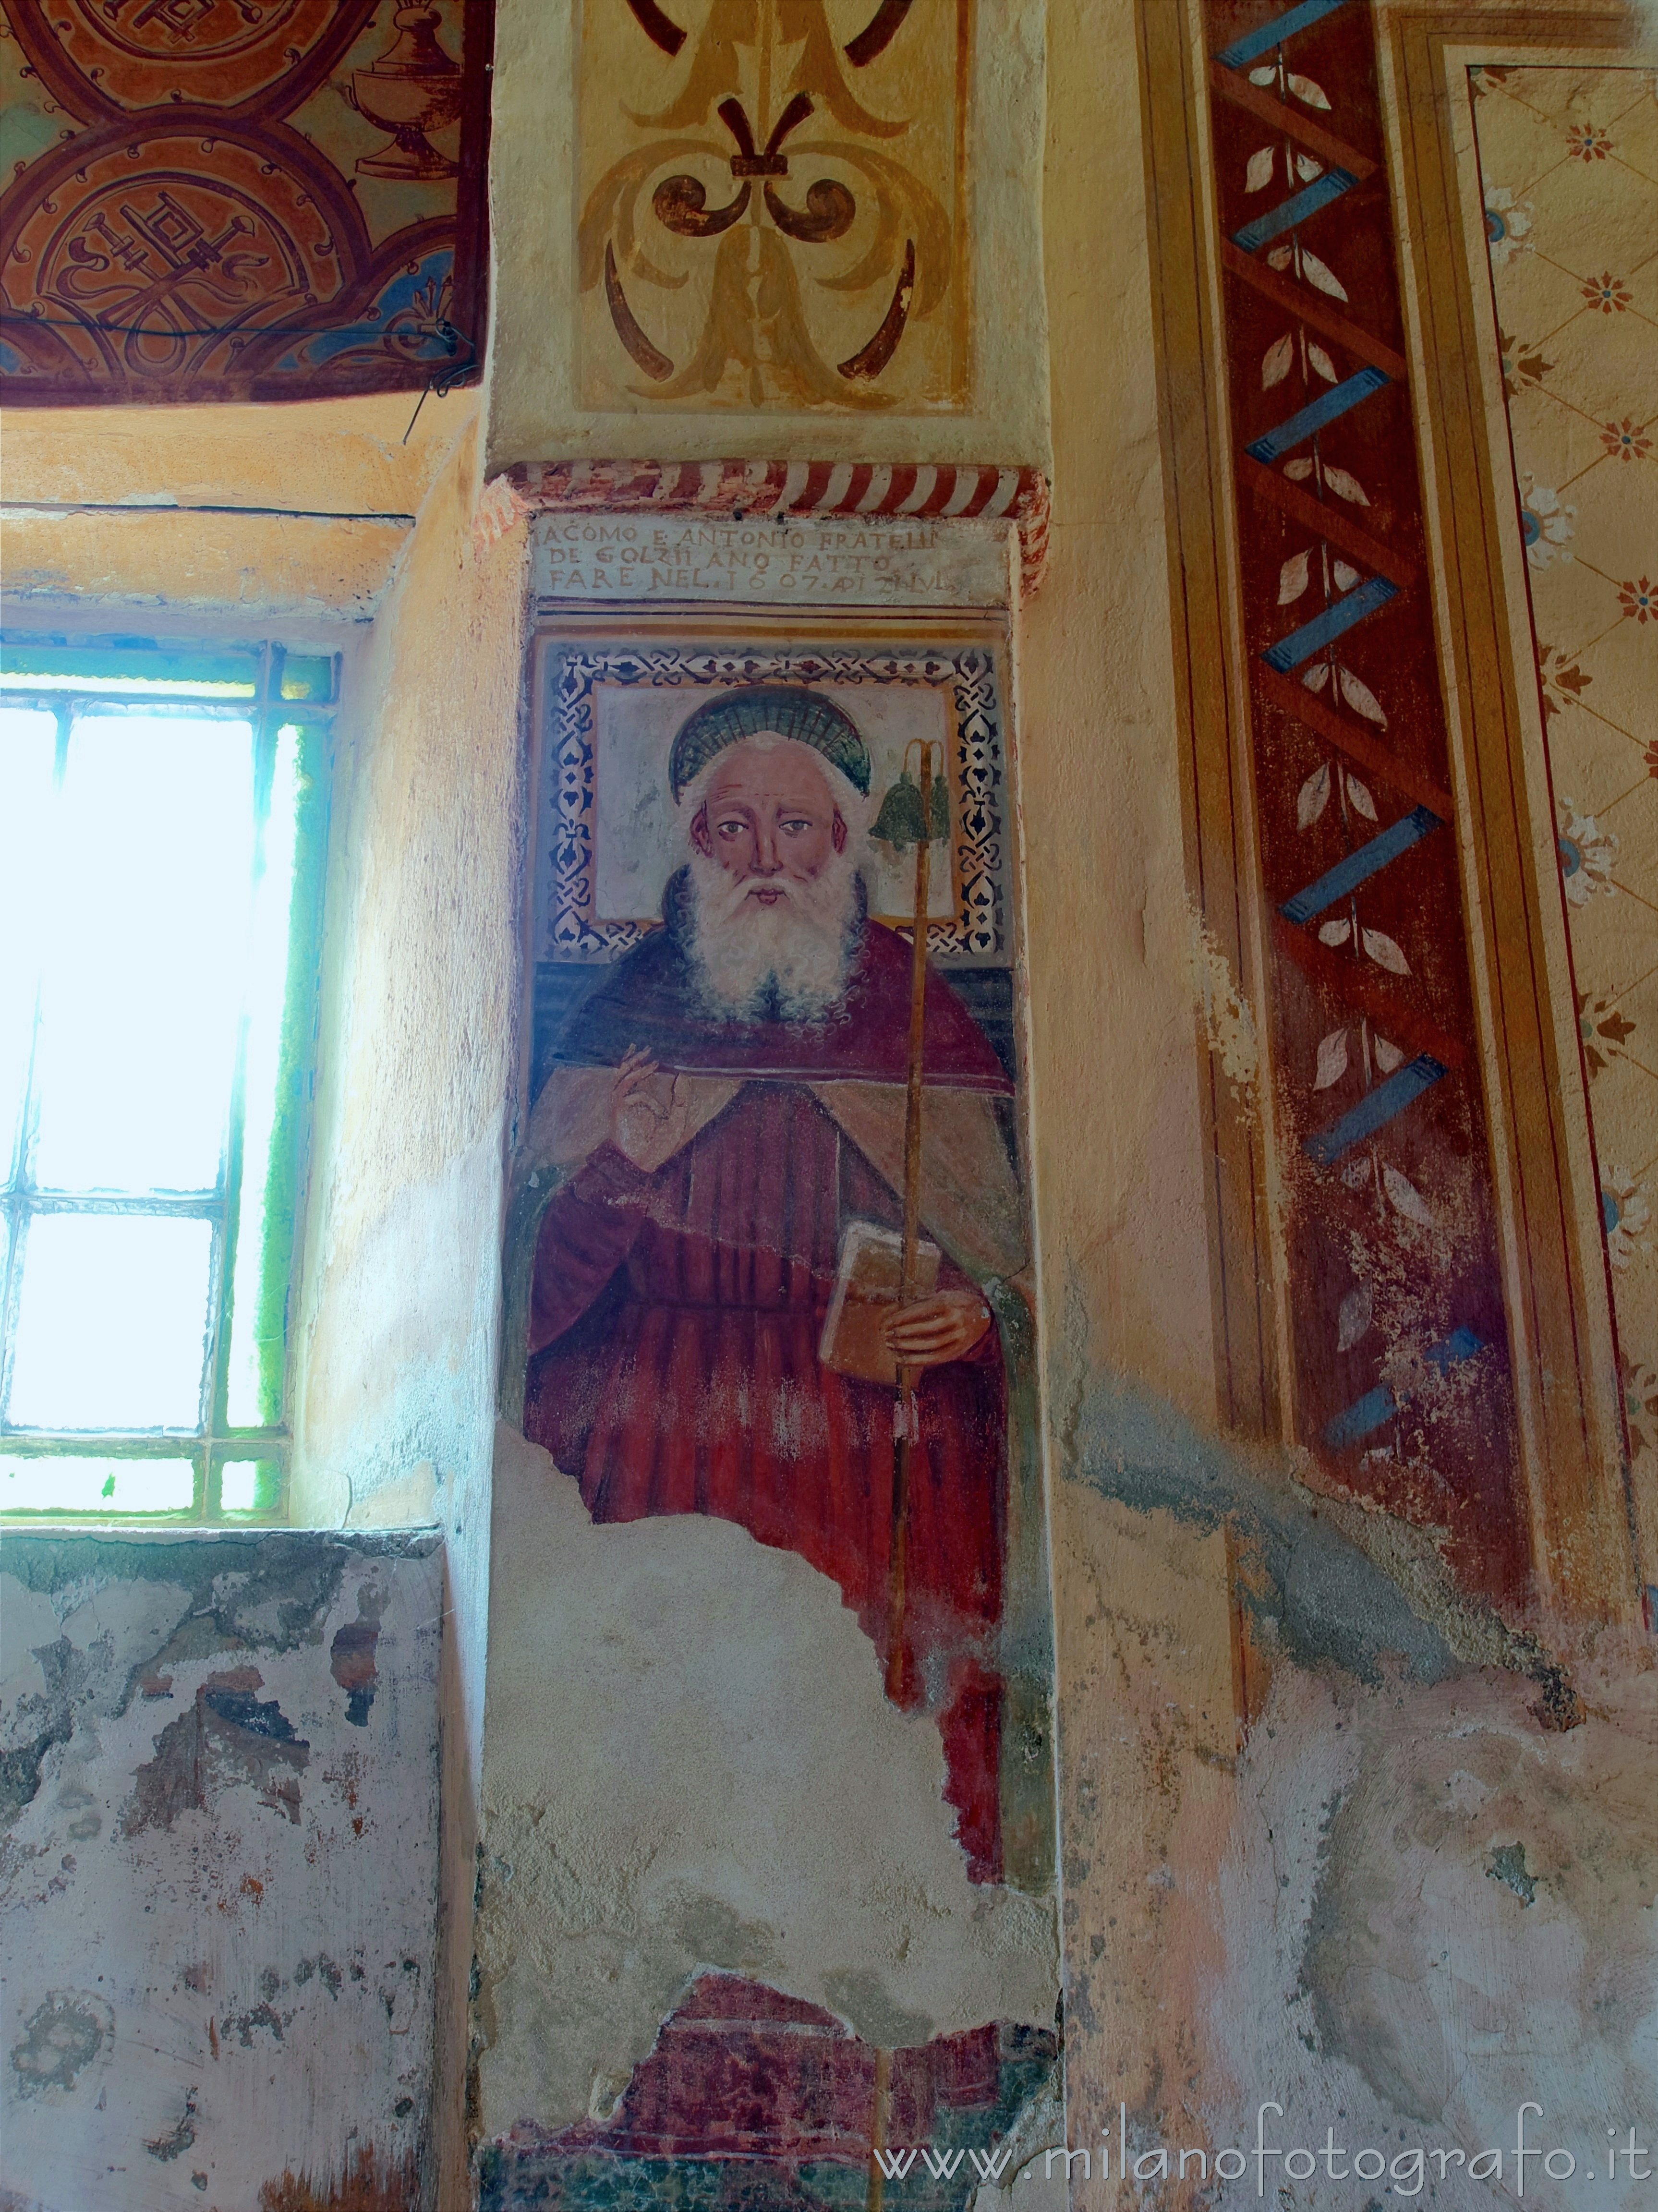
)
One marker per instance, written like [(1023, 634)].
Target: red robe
[(681, 1313), (675, 1317)]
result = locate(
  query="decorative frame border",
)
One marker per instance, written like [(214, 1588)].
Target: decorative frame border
[(1554, 1532), (566, 859)]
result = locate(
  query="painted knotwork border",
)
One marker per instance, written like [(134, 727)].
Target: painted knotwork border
[(1486, 1083), (979, 934)]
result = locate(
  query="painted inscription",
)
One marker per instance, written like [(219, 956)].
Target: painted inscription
[(846, 562)]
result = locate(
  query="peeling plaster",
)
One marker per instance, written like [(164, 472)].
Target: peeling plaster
[(1374, 1967), (687, 1744), (218, 1891), (1229, 1019), (1327, 1598)]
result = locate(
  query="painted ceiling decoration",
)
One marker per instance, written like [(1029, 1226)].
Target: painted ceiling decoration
[(241, 199), (772, 212)]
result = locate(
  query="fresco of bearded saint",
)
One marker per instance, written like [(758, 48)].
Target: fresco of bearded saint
[(725, 1102)]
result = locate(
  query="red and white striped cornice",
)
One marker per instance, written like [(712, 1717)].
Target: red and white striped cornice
[(811, 490)]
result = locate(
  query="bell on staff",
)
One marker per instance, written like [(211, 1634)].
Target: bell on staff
[(899, 823)]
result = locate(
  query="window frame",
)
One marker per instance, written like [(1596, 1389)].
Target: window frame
[(73, 672)]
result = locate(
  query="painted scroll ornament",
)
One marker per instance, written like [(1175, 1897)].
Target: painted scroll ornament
[(713, 196)]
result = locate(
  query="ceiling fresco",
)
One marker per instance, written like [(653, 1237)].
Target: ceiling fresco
[(241, 199)]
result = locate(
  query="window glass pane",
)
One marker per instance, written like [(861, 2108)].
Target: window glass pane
[(111, 1323), (142, 988), (250, 1486), (70, 1484), (28, 740), (137, 667), (258, 1315), (307, 677)]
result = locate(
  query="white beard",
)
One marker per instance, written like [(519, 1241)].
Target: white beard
[(796, 953)]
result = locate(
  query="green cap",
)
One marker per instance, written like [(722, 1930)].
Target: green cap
[(789, 710)]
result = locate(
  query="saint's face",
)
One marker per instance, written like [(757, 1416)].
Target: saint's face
[(769, 818)]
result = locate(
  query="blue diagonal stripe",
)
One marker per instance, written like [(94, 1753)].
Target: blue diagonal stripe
[(1285, 217), (1324, 629), (1256, 43), (1347, 875), (1374, 1109), (1315, 414), (1380, 1405)]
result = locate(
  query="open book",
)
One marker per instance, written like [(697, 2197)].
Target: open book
[(866, 1287)]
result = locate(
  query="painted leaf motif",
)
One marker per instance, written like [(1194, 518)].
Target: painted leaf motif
[(1346, 486), (1385, 952), (1307, 169), (1360, 697), (1353, 1318), (1320, 276), (1322, 362), (1279, 257), (1359, 800), (1292, 577), (1312, 797), (1406, 1199), (1332, 1059), (1298, 471), (1334, 933), (1265, 75), (1317, 676), (1260, 171), (1277, 362), (1346, 577), (1387, 1056), (1304, 89)]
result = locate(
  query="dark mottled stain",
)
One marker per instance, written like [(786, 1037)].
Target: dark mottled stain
[(227, 1736), (60, 2039), (325, 1971), (1508, 1866), (241, 2025), (178, 2139), (1559, 1707), (351, 1656), (242, 1710), (20, 1771), (48, 1717), (369, 2183)]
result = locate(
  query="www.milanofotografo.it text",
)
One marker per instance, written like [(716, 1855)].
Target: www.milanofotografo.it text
[(1266, 2164)]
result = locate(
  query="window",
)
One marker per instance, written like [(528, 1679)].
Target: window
[(164, 815)]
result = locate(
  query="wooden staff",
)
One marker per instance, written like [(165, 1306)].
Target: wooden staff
[(906, 1415)]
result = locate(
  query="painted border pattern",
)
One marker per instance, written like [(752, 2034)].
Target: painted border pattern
[(1399, 1380), (978, 492), (979, 934)]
